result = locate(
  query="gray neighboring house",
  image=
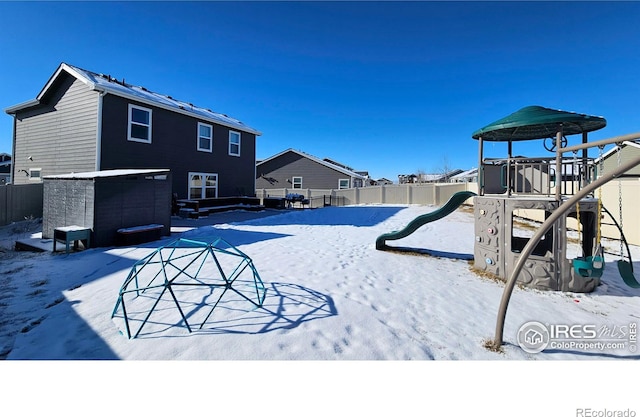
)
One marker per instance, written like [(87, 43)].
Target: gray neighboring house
[(466, 176), (298, 170), (83, 121), (628, 151)]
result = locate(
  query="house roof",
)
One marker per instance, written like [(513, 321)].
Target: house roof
[(473, 172), (613, 149), (315, 159), (109, 85)]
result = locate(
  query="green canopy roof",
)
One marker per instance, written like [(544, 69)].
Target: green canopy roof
[(536, 122)]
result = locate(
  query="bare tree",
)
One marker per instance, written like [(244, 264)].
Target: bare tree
[(445, 169)]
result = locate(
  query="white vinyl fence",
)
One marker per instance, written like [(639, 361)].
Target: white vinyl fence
[(438, 194), (422, 194)]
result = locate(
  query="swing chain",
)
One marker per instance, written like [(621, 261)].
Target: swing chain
[(619, 157)]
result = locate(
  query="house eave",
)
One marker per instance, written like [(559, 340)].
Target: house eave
[(18, 107)]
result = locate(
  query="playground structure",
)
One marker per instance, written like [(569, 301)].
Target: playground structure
[(188, 276), (511, 186), (560, 190), (564, 196)]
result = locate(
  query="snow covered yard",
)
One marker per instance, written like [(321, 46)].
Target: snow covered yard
[(330, 296), (342, 323)]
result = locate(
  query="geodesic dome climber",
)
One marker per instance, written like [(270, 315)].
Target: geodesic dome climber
[(185, 279)]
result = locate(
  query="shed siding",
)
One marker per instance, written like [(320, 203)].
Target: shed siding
[(130, 202), (289, 165), (67, 203), (174, 146), (60, 136)]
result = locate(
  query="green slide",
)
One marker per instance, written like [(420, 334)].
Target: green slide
[(454, 202)]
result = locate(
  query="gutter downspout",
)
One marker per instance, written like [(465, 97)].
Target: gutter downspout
[(99, 131), (13, 152)]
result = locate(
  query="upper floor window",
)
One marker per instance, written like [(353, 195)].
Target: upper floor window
[(139, 124), (205, 137), (234, 143)]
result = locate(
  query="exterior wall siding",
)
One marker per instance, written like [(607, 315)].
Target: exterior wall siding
[(67, 203), (281, 170), (60, 136), (174, 146), (626, 155)]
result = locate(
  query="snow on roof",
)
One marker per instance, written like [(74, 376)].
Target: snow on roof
[(615, 148), (107, 173), (469, 173), (106, 83)]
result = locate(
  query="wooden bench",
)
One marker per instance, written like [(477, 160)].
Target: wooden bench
[(139, 234)]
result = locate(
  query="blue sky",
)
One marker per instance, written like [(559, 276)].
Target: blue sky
[(388, 87)]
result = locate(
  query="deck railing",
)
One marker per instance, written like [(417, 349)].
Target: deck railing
[(535, 176)]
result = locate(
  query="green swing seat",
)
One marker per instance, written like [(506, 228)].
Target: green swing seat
[(589, 267), (626, 272)]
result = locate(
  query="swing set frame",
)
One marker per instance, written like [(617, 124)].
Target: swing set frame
[(625, 268)]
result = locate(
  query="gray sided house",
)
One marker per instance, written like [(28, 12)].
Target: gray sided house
[(627, 152), (82, 121), (297, 170)]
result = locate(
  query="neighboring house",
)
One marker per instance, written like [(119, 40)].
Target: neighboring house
[(427, 178), (5, 168), (628, 151), (383, 181), (298, 170), (407, 179), (466, 176), (82, 121)]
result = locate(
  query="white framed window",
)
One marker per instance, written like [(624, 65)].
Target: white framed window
[(296, 182), (139, 129), (203, 185), (35, 174), (205, 137), (234, 143), (343, 183)]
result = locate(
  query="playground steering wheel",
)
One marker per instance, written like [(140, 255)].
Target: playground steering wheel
[(552, 147)]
